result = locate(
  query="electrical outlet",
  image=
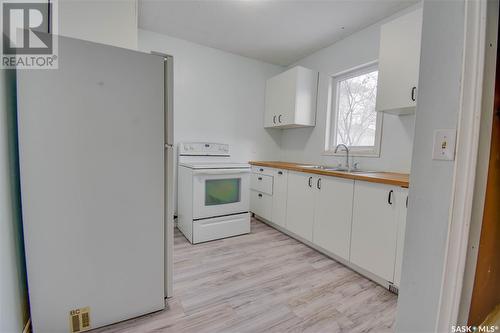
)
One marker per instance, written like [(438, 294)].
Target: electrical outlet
[(444, 144)]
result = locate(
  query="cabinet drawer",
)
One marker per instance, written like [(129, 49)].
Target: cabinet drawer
[(261, 204), (262, 183), (262, 170), (220, 227)]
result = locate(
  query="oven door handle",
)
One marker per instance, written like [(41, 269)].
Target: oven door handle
[(220, 172)]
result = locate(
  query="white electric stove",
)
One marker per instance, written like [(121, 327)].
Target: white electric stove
[(213, 192)]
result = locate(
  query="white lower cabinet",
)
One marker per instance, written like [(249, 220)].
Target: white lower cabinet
[(319, 209), (332, 215), (280, 186), (374, 228), (402, 200), (261, 204), (300, 204), (361, 222)]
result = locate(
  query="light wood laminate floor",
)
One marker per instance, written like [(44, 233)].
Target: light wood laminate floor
[(265, 282)]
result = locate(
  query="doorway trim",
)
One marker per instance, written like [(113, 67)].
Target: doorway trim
[(465, 165)]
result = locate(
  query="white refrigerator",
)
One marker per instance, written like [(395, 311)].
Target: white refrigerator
[(95, 156)]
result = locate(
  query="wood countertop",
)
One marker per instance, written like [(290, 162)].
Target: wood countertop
[(390, 178)]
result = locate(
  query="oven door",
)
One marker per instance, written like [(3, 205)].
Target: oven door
[(219, 192)]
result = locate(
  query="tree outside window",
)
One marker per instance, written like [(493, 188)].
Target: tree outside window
[(355, 122)]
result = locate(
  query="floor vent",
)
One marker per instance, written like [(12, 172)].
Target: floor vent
[(393, 289)]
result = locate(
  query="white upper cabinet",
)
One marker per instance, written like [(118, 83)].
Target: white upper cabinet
[(291, 99), (399, 58)]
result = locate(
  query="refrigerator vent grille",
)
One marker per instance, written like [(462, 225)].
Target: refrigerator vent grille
[(79, 319), (85, 320), (75, 323)]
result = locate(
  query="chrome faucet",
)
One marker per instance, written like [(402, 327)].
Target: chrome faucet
[(347, 154)]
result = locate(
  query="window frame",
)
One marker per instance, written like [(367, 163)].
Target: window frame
[(332, 115)]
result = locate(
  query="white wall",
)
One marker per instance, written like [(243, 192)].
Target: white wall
[(218, 97), (112, 22), (13, 292), (431, 181), (307, 144)]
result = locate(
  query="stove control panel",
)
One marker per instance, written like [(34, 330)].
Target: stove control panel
[(203, 149)]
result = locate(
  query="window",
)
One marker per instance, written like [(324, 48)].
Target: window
[(352, 119)]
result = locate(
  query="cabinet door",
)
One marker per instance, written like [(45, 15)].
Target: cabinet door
[(300, 204), (269, 115), (280, 99), (399, 59), (279, 197), (402, 203), (261, 204), (332, 215), (374, 228), (305, 97)]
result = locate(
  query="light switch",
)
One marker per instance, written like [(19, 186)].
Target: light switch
[(444, 144)]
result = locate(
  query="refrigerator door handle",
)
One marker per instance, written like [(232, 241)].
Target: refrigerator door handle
[(169, 219)]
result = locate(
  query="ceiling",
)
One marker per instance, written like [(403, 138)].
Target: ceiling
[(279, 32)]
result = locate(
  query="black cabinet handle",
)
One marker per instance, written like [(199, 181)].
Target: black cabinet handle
[(310, 181), (261, 170), (318, 184), (413, 90), (279, 119), (280, 172), (274, 119), (259, 178), (260, 195), (389, 198), (406, 201)]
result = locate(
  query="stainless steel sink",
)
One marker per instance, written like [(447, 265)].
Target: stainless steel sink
[(323, 167), (319, 167), (330, 168), (339, 169), (355, 171)]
